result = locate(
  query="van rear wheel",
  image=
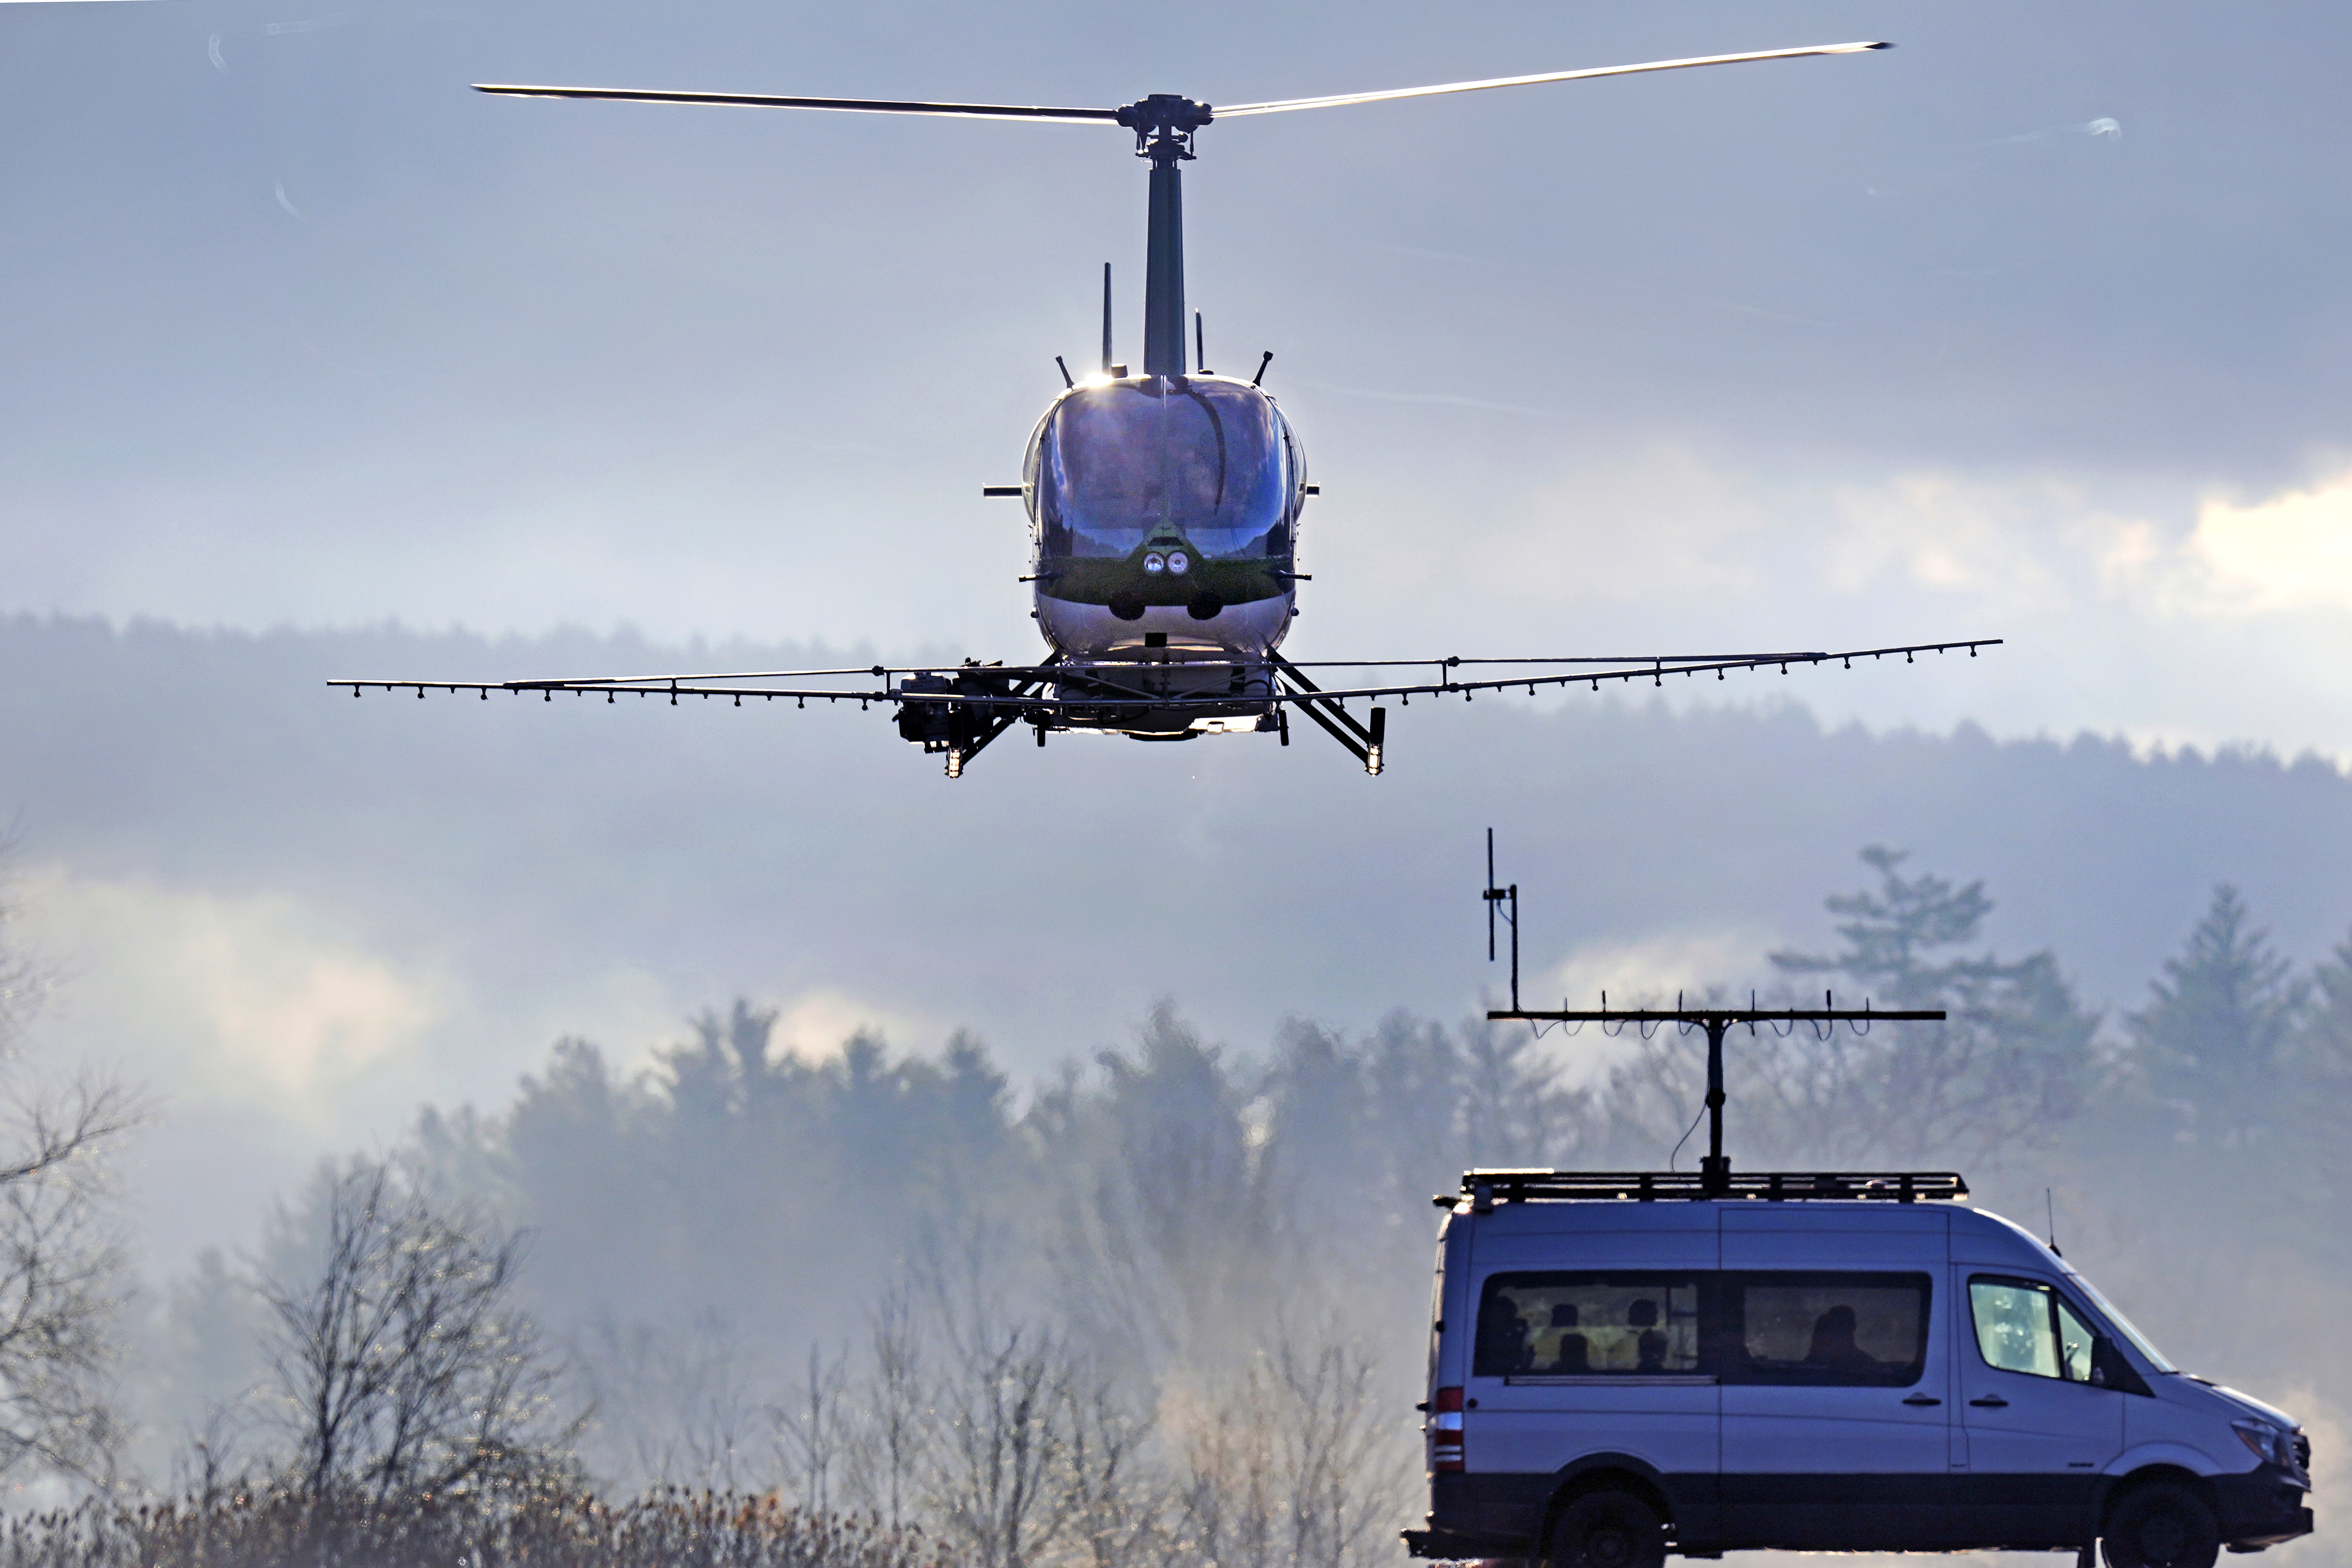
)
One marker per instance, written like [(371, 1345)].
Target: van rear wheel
[(2162, 1525), (1608, 1530)]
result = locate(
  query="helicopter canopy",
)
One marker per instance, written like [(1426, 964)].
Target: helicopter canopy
[(1208, 461)]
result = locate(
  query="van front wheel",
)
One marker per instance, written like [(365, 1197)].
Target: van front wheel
[(2162, 1525), (1609, 1529)]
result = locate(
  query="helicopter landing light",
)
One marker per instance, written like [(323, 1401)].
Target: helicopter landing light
[(1155, 563), (1178, 563)]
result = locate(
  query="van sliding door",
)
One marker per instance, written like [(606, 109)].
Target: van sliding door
[(1836, 1368)]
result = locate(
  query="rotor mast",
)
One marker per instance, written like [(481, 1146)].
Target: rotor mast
[(1163, 124)]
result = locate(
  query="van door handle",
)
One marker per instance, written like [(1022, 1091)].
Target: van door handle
[(1991, 1402), (1923, 1399)]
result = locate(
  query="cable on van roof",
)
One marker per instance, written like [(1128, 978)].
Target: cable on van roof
[(1483, 1188)]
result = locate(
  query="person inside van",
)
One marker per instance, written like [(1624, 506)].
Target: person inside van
[(1502, 1338), (1573, 1355), (1833, 1343), (1651, 1348)]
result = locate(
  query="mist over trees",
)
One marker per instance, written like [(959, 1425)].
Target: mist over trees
[(1997, 1082), (1167, 1305), (516, 870)]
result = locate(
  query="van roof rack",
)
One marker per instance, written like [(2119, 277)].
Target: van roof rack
[(1482, 1186)]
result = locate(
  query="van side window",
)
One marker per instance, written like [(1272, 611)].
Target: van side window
[(2024, 1325), (1867, 1329), (1580, 1325)]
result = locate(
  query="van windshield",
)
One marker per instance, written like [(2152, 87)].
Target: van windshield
[(2122, 1325)]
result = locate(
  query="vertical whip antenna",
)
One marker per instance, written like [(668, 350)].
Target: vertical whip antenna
[(1495, 897), (1489, 895), (1200, 346), (1106, 359)]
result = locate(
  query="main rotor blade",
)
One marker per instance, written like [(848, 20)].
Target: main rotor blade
[(1284, 105), (765, 101)]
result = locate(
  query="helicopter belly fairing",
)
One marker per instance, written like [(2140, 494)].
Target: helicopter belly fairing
[(1164, 632)]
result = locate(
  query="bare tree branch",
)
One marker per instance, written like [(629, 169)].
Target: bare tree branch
[(402, 1365)]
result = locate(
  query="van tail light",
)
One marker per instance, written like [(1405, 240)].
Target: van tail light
[(1445, 1432)]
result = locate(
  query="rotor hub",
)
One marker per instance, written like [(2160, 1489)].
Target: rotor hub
[(1163, 124)]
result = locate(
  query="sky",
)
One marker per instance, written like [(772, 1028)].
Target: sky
[(2031, 327)]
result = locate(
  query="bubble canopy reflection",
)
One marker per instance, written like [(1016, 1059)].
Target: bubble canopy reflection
[(1198, 460)]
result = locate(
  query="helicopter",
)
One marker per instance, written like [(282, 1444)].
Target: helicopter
[(1164, 511)]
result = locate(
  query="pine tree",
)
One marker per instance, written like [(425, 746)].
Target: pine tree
[(1889, 932), (2316, 1097), (2323, 1055), (2012, 1063), (2214, 1043)]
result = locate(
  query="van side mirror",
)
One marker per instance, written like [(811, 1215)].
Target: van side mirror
[(2102, 1356)]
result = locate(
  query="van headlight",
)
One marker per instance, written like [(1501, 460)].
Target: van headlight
[(2269, 1443)]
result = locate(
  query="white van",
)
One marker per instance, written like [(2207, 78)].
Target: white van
[(1623, 1366)]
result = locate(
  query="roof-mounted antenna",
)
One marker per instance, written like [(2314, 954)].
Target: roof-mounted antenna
[(1495, 897), (1106, 364), (1261, 363), (2050, 1212), (1200, 347), (1715, 1168)]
